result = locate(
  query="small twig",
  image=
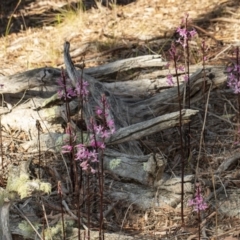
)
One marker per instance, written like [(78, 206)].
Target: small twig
[(20, 100), (230, 103), (39, 129), (221, 52), (23, 215), (68, 210), (62, 214), (45, 216), (223, 186), (205, 32), (207, 218), (110, 208), (221, 19), (72, 214), (217, 191), (227, 163), (125, 216), (10, 19), (202, 132)]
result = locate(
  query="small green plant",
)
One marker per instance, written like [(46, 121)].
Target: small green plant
[(8, 28), (69, 12)]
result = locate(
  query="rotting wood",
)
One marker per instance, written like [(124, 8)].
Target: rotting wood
[(137, 168), (127, 64), (145, 128), (133, 120), (160, 103), (143, 174)]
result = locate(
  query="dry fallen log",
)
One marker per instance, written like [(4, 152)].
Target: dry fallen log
[(21, 82), (167, 101), (146, 169), (144, 84), (49, 111), (144, 197), (133, 120), (31, 96), (127, 64), (145, 128), (142, 168)]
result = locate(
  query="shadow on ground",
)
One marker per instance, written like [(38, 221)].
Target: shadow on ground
[(17, 15)]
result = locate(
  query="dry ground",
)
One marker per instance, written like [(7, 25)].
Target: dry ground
[(35, 38), (124, 30)]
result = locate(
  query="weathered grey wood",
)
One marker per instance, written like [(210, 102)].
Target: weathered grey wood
[(145, 196), (145, 84), (24, 117), (127, 64), (52, 140), (146, 169), (133, 120), (117, 110), (27, 80), (50, 112), (167, 101), (5, 204), (159, 104), (144, 128)]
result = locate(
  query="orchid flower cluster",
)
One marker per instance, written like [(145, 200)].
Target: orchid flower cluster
[(234, 75), (67, 91), (100, 129), (197, 202), (233, 79), (185, 35)]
